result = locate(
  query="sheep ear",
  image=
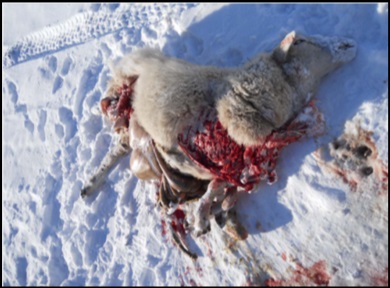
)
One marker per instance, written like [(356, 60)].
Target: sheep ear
[(280, 53)]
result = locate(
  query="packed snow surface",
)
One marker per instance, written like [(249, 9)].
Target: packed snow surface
[(309, 228)]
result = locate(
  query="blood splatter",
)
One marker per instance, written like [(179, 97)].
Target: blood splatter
[(187, 274), (163, 227), (176, 220), (314, 275), (381, 279)]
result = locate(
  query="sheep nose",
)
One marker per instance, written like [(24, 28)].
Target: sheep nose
[(344, 50), (345, 45)]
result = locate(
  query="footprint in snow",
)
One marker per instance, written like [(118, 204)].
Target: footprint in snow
[(19, 108), (66, 66), (52, 63), (41, 125)]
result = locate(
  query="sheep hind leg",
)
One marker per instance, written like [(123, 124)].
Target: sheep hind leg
[(226, 215), (215, 189), (233, 227)]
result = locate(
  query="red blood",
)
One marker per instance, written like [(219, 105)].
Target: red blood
[(119, 107), (199, 270), (177, 221), (381, 279), (284, 257), (385, 180), (191, 281), (314, 275), (124, 103), (187, 273), (105, 104), (163, 227), (274, 283), (182, 284), (212, 148)]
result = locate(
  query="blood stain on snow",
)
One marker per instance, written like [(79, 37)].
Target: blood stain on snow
[(314, 275), (187, 273), (355, 158), (176, 222), (381, 279), (284, 257), (385, 181), (163, 227), (199, 270)]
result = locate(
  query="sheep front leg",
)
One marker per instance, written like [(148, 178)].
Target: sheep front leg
[(119, 151)]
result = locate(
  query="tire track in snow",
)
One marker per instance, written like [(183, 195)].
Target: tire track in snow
[(84, 27), (77, 30)]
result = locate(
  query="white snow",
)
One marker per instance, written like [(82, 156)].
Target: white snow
[(22, 19), (55, 70)]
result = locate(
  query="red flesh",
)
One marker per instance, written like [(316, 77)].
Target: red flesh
[(118, 107), (177, 221), (211, 147)]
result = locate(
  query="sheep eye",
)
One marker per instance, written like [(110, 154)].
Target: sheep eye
[(298, 41)]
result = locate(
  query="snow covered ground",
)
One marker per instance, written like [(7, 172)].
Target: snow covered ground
[(309, 228)]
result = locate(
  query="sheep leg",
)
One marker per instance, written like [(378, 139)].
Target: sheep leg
[(215, 189), (109, 161)]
